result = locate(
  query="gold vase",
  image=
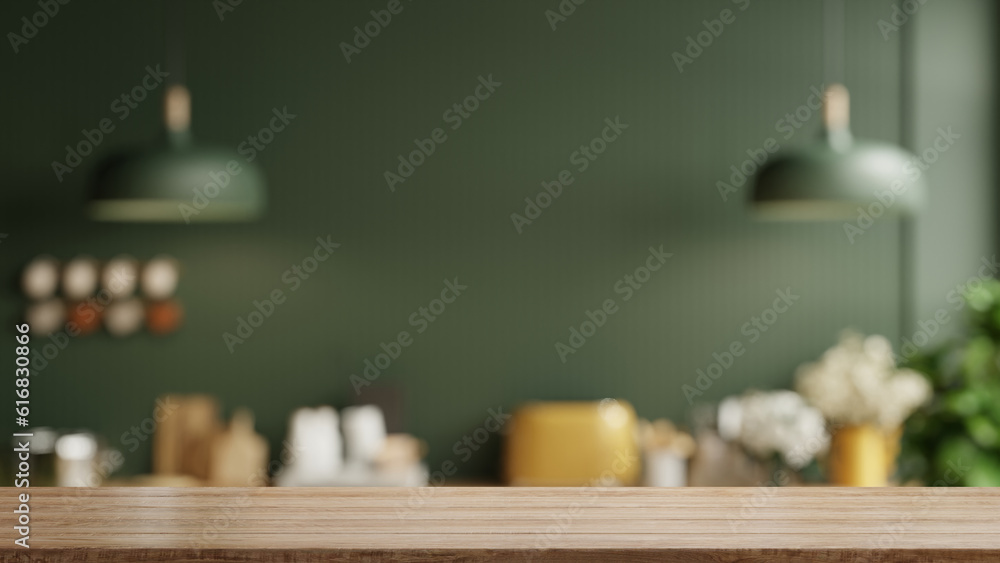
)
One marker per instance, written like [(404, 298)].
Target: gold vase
[(863, 456)]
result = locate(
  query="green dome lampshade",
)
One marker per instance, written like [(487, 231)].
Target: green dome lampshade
[(178, 182), (835, 176)]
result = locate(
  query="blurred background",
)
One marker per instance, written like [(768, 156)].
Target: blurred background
[(328, 101)]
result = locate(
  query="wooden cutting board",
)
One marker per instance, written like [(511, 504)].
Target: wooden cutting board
[(182, 442), (239, 455)]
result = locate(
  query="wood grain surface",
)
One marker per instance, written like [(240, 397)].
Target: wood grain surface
[(683, 525)]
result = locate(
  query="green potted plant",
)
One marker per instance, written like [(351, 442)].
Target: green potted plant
[(954, 440)]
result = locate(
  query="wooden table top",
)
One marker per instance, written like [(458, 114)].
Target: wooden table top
[(749, 525)]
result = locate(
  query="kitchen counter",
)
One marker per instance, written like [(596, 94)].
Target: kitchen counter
[(503, 524)]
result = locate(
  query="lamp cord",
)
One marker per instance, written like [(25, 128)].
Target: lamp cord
[(173, 40), (833, 41)]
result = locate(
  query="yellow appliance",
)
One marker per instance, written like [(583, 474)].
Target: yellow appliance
[(572, 444)]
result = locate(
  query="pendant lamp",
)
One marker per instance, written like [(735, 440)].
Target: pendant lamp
[(833, 177), (836, 175), (178, 181)]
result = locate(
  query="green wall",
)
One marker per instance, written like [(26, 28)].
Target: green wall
[(494, 346)]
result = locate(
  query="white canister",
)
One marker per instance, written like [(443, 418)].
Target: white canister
[(314, 455), (665, 468), (364, 432), (76, 461)]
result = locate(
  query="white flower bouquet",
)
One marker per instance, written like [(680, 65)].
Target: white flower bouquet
[(857, 383), (774, 423)]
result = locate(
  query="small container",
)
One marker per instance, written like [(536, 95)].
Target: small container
[(665, 467), (41, 459), (364, 432), (76, 460)]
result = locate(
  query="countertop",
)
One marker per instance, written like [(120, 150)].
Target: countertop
[(506, 524)]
